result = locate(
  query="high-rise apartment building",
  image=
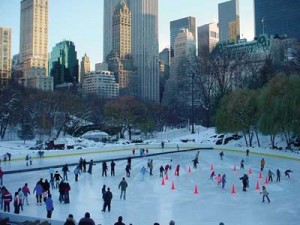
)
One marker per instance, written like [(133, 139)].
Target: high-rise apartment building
[(177, 25), (85, 66), (34, 37), (108, 12), (281, 18), (208, 37), (5, 55), (144, 46), (120, 59), (63, 64), (229, 21)]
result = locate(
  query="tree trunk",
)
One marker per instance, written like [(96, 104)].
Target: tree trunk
[(257, 138), (129, 132), (245, 137)]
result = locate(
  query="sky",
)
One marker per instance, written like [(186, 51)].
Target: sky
[(148, 201), (81, 21)]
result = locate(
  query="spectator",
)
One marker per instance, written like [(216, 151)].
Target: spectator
[(70, 220), (120, 218), (86, 220)]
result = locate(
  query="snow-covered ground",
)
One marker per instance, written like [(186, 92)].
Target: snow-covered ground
[(149, 201)]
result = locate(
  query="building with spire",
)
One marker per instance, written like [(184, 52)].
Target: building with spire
[(85, 67), (120, 59)]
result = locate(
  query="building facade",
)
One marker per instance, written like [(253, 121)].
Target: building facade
[(144, 46), (43, 83), (208, 37), (63, 64), (85, 66), (280, 19), (177, 25), (229, 21), (101, 83), (34, 37), (5, 55)]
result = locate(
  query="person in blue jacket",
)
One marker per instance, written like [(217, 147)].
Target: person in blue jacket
[(223, 181), (38, 190), (143, 172), (49, 206)]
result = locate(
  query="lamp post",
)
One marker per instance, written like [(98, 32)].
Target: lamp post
[(193, 112)]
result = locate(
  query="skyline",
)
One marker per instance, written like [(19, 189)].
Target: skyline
[(83, 23)]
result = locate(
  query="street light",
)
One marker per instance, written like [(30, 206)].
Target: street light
[(193, 112)]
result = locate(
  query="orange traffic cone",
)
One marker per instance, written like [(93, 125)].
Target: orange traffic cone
[(189, 170), (234, 168), (211, 167), (163, 181), (233, 189), (167, 178), (196, 190), (260, 175), (250, 171), (173, 186), (266, 181), (257, 186)]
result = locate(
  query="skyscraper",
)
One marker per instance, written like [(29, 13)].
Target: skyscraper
[(282, 18), (208, 37), (144, 45), (108, 12), (85, 66), (63, 64), (34, 37), (5, 54), (177, 25), (229, 20)]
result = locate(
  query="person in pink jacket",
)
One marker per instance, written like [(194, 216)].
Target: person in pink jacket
[(219, 179)]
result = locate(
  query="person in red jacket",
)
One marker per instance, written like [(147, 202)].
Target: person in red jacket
[(177, 170), (7, 198), (1, 176)]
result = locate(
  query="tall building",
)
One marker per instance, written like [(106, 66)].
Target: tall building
[(144, 46), (229, 21), (177, 25), (108, 12), (120, 60), (34, 37), (63, 64), (184, 49), (85, 66), (5, 55), (208, 37), (282, 18)]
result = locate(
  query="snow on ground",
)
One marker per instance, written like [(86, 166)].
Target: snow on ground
[(149, 201)]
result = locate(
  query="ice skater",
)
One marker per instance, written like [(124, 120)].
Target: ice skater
[(177, 170), (265, 194), (123, 186), (223, 181), (221, 155), (219, 179), (278, 175), (262, 164), (127, 169), (112, 168), (245, 181), (212, 175), (104, 169), (270, 175), (161, 171), (287, 173), (143, 172), (242, 164), (107, 200)]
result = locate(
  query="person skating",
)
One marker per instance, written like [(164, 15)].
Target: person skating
[(245, 181), (247, 153), (127, 169), (49, 206), (278, 175), (103, 191), (265, 194), (6, 198), (162, 145), (70, 220), (143, 172), (84, 165), (262, 164), (219, 179), (223, 181), (104, 169), (21, 197), (270, 175), (67, 189), (65, 170), (57, 177), (61, 190), (76, 172), (172, 222), (195, 162), (212, 175), (287, 173), (91, 163), (123, 186), (17, 203), (1, 176), (129, 161), (177, 170), (150, 165), (242, 164), (26, 192), (167, 166), (120, 218), (112, 168), (221, 155), (107, 200), (86, 220), (38, 190), (161, 171)]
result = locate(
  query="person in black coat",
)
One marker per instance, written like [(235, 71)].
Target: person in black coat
[(104, 169), (161, 171), (127, 168), (120, 218), (84, 165), (112, 168), (245, 180), (91, 163), (103, 190), (107, 200)]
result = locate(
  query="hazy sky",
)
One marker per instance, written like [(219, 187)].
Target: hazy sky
[(81, 21)]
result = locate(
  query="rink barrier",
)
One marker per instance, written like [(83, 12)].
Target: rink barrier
[(106, 160), (257, 153)]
